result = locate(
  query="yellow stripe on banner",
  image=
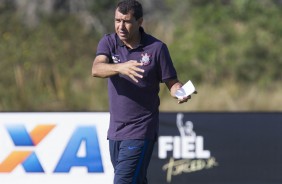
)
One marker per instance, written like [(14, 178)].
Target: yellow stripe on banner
[(39, 132), (13, 160)]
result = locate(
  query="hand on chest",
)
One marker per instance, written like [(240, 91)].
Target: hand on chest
[(146, 58), (141, 56)]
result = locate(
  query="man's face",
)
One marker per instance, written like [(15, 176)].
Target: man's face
[(126, 26)]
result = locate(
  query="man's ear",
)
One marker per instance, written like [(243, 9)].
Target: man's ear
[(140, 21)]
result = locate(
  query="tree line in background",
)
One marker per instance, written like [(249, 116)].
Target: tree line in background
[(47, 47)]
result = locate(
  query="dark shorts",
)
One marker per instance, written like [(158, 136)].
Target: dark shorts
[(130, 159)]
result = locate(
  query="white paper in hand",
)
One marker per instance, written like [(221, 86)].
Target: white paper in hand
[(187, 89)]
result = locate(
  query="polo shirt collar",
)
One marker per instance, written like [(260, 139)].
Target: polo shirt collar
[(142, 41)]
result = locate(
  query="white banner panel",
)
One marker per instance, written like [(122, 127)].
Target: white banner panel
[(54, 147)]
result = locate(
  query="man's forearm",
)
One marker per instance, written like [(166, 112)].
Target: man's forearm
[(104, 70)]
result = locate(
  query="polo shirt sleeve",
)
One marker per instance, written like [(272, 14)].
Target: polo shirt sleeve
[(104, 46), (167, 70)]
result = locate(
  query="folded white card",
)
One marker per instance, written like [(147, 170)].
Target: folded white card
[(187, 89)]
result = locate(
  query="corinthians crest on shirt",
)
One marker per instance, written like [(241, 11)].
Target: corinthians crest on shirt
[(145, 58), (115, 58)]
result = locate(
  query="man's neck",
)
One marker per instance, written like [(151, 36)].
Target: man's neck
[(134, 43)]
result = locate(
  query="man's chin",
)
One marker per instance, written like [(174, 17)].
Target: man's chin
[(122, 37)]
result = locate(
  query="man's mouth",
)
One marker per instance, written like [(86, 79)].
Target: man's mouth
[(122, 34)]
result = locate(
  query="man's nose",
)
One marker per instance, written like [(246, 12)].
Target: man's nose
[(122, 24)]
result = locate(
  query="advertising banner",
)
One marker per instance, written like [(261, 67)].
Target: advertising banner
[(218, 148), (194, 148), (45, 148)]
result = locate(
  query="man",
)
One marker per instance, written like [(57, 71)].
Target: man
[(135, 64)]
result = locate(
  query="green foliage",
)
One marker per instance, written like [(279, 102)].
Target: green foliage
[(48, 67), (239, 41)]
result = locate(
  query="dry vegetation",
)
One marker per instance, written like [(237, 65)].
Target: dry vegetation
[(229, 97)]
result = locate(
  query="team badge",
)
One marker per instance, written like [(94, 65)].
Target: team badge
[(146, 58), (115, 58)]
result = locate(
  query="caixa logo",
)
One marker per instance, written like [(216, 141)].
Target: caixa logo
[(24, 140)]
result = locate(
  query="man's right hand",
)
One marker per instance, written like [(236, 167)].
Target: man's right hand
[(131, 69)]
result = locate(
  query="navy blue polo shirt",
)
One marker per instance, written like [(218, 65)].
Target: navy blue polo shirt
[(134, 107)]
